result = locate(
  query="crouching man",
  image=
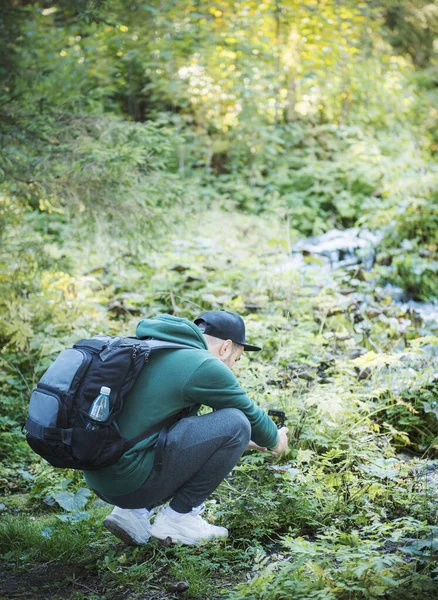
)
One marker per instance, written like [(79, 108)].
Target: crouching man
[(188, 463)]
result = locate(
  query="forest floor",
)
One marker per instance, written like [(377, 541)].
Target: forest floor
[(337, 356)]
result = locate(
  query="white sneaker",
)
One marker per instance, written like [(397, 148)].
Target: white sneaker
[(130, 526), (188, 528)]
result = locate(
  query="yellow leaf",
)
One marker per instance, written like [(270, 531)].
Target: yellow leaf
[(423, 341), (373, 360), (304, 456)]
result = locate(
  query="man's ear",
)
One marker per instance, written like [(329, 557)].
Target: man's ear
[(226, 346)]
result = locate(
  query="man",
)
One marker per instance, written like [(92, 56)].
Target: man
[(198, 451)]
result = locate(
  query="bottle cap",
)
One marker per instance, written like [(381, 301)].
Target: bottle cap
[(105, 390)]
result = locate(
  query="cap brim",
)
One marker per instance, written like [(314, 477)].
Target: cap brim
[(250, 348)]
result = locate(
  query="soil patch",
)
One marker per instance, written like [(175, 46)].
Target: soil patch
[(50, 580)]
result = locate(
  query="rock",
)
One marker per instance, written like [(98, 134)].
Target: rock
[(363, 373), (166, 543), (252, 307), (306, 375), (325, 380), (325, 364), (119, 307), (179, 588), (278, 382), (300, 370), (372, 313), (356, 353), (101, 270), (179, 268), (335, 310), (342, 248)]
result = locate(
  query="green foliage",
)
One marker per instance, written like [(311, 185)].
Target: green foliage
[(94, 168), (164, 157), (21, 538), (335, 566), (259, 501), (261, 96), (412, 28), (342, 474)]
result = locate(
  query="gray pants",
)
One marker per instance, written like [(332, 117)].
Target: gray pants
[(199, 454)]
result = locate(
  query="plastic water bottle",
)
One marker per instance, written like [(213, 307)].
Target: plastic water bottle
[(100, 409)]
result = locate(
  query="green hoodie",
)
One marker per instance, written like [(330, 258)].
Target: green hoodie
[(173, 380)]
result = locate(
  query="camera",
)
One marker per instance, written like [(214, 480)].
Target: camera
[(277, 416)]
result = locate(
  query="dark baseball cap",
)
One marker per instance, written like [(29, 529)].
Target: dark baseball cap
[(225, 325)]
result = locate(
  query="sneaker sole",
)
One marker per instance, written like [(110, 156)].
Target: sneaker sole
[(120, 533), (168, 539)]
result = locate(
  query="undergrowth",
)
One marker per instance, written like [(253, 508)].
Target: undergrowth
[(165, 158), (348, 512)]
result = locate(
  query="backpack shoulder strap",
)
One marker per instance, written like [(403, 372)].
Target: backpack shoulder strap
[(161, 345), (152, 344)]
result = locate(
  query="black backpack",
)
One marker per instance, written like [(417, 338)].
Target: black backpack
[(58, 410)]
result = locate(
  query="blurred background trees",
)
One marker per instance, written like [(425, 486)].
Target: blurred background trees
[(240, 84), (119, 119)]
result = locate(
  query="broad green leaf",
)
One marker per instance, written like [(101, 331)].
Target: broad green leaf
[(75, 517), (73, 502)]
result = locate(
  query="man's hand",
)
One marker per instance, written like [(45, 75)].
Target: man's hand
[(282, 442), (253, 446)]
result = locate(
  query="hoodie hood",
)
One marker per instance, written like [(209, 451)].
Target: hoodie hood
[(171, 329)]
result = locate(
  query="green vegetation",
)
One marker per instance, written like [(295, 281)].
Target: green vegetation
[(165, 157)]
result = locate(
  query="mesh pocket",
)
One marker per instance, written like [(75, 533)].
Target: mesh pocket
[(98, 448), (55, 453)]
